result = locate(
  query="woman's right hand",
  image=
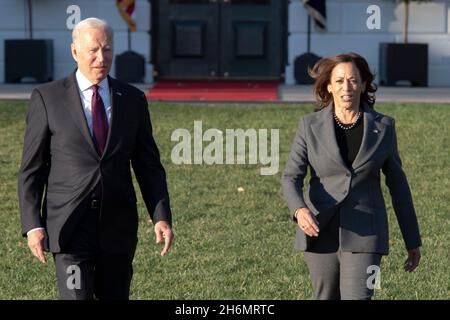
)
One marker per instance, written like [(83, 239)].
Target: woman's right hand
[(307, 222)]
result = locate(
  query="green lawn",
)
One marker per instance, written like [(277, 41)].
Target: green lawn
[(238, 245)]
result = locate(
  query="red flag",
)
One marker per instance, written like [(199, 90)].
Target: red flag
[(126, 8)]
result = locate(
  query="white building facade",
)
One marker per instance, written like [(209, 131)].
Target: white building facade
[(347, 30)]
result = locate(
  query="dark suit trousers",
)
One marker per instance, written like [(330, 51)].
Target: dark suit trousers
[(85, 272), (337, 275)]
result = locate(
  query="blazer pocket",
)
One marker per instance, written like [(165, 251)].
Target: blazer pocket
[(361, 220)]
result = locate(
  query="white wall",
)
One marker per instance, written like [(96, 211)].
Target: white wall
[(49, 22), (347, 31)]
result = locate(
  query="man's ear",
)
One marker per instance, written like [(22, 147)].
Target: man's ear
[(73, 49)]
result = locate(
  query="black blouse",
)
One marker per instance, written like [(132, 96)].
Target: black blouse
[(349, 141)]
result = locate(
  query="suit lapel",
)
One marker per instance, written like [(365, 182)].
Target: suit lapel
[(324, 132), (373, 134), (76, 110), (116, 97)]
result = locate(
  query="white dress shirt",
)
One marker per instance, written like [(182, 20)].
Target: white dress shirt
[(86, 91)]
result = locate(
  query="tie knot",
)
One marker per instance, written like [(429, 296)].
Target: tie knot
[(95, 88)]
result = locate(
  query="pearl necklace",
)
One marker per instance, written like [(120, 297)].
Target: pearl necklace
[(342, 126)]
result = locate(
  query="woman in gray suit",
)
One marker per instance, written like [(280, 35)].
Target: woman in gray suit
[(342, 224)]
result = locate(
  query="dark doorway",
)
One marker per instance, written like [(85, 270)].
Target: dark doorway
[(219, 39)]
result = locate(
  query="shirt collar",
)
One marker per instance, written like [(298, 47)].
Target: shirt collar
[(84, 83)]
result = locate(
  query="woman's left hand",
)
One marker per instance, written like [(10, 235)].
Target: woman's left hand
[(413, 260)]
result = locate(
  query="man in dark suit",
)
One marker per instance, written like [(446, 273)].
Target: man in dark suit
[(76, 193)]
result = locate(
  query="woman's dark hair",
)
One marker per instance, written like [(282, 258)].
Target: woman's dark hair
[(321, 72)]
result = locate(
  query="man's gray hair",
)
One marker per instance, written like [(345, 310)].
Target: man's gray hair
[(93, 23)]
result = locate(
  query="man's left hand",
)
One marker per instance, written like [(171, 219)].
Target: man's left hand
[(164, 231), (413, 260)]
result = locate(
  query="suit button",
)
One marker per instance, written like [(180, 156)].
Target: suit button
[(348, 174), (345, 192)]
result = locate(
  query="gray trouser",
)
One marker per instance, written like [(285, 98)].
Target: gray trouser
[(340, 275)]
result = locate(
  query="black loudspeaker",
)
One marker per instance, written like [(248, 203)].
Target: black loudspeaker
[(130, 67), (301, 65), (404, 62), (30, 59)]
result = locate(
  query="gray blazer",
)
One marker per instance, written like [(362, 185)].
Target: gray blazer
[(356, 190)]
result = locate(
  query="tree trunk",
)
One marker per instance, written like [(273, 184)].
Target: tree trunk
[(406, 21)]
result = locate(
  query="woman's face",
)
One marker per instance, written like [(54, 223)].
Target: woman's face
[(346, 85)]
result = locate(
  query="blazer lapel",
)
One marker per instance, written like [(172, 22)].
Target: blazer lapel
[(76, 109), (116, 98), (324, 132), (374, 132)]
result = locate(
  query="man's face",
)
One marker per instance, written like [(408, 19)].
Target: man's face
[(93, 52)]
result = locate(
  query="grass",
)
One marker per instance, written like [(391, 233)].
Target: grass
[(238, 245)]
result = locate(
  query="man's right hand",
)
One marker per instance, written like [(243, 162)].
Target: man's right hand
[(164, 231), (36, 240), (307, 222)]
